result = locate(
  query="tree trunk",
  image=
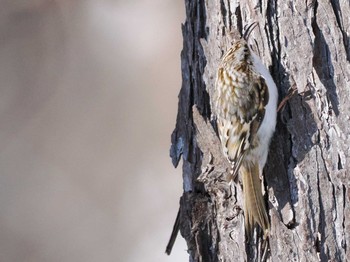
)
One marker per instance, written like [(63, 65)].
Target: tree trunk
[(306, 46)]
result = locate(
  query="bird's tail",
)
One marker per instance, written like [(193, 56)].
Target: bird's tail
[(254, 206)]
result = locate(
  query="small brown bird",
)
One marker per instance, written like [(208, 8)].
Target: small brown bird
[(245, 106)]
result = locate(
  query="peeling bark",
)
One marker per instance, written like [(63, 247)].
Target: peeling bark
[(306, 46)]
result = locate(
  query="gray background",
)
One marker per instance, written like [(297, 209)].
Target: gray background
[(88, 102)]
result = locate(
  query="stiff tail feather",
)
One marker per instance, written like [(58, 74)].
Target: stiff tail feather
[(254, 206)]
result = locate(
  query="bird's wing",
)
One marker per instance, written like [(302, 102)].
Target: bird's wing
[(240, 107)]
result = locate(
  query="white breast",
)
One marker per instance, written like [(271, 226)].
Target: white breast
[(268, 125)]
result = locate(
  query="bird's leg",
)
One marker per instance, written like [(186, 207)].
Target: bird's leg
[(284, 101)]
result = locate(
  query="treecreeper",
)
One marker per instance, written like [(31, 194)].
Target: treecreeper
[(245, 107)]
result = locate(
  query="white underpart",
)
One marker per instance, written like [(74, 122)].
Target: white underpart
[(268, 125)]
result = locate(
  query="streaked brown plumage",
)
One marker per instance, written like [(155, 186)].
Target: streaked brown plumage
[(241, 101)]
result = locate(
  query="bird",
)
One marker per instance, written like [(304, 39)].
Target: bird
[(245, 107)]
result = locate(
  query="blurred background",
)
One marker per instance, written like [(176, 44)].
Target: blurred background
[(88, 102)]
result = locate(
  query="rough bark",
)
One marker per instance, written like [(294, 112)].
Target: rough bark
[(306, 46)]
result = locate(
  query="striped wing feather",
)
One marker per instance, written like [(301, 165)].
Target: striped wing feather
[(240, 112)]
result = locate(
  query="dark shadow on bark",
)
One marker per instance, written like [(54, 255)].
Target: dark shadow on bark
[(323, 65)]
